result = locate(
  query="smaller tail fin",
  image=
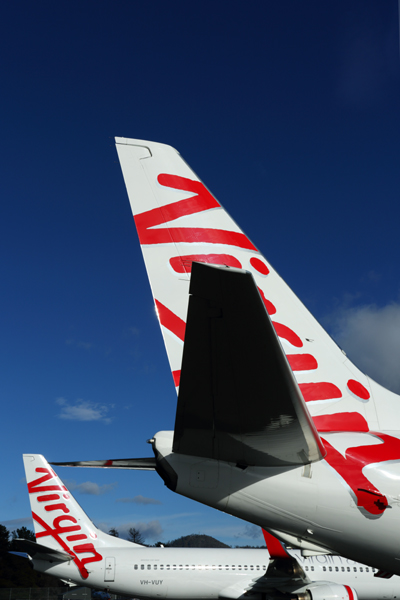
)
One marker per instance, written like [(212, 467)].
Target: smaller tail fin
[(59, 522), (275, 548)]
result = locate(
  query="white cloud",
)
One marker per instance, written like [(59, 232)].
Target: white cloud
[(370, 336), (139, 500), (90, 487), (83, 411)]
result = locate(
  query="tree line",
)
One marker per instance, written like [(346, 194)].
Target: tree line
[(16, 571)]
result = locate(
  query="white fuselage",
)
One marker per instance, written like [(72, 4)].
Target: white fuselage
[(167, 572), (344, 571), (181, 573), (311, 503)]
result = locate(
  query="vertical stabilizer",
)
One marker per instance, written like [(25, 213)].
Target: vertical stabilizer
[(179, 222), (59, 521)]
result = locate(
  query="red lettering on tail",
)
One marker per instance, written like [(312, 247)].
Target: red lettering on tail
[(322, 390), (201, 201), (33, 486), (63, 523), (183, 264), (349, 421), (170, 320), (56, 532)]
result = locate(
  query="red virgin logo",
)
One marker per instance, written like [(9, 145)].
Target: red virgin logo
[(63, 523)]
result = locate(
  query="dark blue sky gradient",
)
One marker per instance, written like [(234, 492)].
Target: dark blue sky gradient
[(288, 111)]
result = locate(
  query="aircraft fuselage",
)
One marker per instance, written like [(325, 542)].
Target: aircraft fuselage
[(326, 512)]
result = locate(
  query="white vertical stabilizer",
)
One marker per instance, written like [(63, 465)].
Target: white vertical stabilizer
[(59, 521), (178, 222)]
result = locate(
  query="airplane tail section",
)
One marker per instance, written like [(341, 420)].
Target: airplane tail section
[(179, 222), (62, 528), (238, 399)]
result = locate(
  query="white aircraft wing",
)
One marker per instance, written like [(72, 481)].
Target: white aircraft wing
[(238, 399)]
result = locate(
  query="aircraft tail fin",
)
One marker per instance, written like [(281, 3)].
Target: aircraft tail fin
[(275, 548), (179, 222), (59, 521)]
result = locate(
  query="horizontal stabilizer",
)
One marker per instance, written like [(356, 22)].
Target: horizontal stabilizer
[(238, 399), (142, 464), (40, 552)]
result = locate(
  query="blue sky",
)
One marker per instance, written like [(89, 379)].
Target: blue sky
[(288, 111)]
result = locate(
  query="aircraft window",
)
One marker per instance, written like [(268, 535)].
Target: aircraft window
[(264, 567), (354, 568), (214, 567), (181, 566), (252, 567), (312, 568), (361, 569), (306, 568), (324, 568), (161, 566), (336, 568), (135, 567), (219, 566), (245, 567), (258, 567), (342, 568), (149, 566), (174, 566), (233, 567), (330, 568), (142, 567), (348, 568), (240, 567), (167, 567), (226, 566), (366, 570)]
